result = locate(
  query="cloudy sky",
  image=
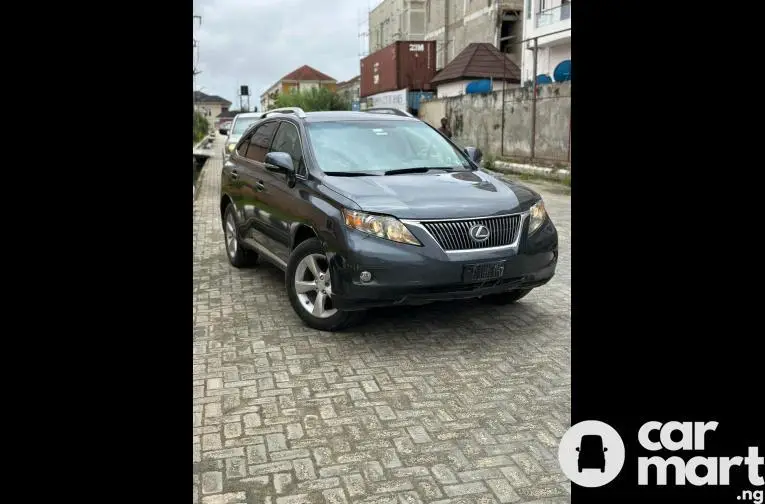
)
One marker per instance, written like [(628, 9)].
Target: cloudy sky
[(257, 42)]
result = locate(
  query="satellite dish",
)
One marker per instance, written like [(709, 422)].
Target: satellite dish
[(562, 72)]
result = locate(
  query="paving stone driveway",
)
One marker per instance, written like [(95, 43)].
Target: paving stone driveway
[(453, 402)]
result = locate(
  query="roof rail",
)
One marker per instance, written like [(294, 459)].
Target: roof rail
[(389, 110), (286, 110)]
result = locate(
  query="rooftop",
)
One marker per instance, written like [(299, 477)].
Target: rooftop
[(479, 60), (200, 97), (307, 73)]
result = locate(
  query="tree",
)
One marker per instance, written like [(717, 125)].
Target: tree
[(201, 126), (314, 99)]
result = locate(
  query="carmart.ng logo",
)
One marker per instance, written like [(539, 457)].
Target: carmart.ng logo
[(591, 454)]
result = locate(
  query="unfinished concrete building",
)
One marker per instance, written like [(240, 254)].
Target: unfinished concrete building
[(453, 24)]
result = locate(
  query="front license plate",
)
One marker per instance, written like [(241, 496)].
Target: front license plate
[(483, 272)]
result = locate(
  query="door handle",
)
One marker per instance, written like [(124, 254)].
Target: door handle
[(260, 186), (234, 174)]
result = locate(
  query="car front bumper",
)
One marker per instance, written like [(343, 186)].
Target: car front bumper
[(412, 275)]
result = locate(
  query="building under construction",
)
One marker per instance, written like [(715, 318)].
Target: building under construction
[(453, 24)]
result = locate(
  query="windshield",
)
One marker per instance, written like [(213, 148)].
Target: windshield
[(241, 124), (380, 146)]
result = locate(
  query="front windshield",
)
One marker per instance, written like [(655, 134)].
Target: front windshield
[(241, 124), (380, 146)]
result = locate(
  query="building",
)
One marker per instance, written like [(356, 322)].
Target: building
[(452, 24), (300, 80), (350, 89), (479, 63), (210, 106), (550, 21)]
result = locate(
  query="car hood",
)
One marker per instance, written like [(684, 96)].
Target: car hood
[(434, 195)]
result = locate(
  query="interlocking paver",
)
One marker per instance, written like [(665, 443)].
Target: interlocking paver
[(451, 402)]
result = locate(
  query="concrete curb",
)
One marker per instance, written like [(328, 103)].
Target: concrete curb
[(538, 171)]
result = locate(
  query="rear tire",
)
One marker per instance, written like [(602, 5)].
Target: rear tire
[(238, 256), (505, 298), (309, 288)]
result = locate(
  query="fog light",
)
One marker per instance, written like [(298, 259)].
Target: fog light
[(365, 276)]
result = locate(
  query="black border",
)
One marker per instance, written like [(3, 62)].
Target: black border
[(661, 285)]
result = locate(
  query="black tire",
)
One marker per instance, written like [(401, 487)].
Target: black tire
[(241, 256), (339, 320), (505, 298)]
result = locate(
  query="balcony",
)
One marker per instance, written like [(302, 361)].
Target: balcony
[(553, 15)]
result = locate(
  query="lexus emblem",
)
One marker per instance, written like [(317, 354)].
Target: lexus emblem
[(479, 233)]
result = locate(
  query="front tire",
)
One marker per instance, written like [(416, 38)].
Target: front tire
[(309, 288), (238, 256), (505, 298)]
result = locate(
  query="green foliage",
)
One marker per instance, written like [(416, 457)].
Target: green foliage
[(314, 99), (201, 127)]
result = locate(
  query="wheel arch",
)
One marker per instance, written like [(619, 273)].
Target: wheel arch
[(301, 232)]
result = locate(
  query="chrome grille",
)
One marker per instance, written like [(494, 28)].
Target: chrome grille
[(455, 234)]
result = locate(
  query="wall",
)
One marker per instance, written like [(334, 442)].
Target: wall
[(457, 88), (211, 110), (476, 120), (469, 21), (547, 59)]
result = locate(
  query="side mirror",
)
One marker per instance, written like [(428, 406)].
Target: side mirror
[(577, 448), (605, 449), (474, 153), (279, 162), (223, 131)]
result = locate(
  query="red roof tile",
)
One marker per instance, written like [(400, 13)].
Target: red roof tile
[(306, 73)]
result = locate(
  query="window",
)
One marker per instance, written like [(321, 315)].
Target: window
[(287, 140), (377, 146), (260, 140), (528, 9)]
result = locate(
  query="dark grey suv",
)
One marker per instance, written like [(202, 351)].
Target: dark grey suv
[(365, 210)]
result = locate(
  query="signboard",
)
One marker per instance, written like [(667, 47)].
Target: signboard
[(395, 99)]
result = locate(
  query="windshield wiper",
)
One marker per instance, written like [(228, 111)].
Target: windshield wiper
[(421, 169), (350, 174)]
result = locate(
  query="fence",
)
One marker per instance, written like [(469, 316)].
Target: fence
[(526, 121)]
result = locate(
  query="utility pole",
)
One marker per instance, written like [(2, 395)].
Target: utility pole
[(196, 61), (534, 101), (446, 32)]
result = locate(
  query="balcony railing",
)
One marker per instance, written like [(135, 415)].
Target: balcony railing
[(553, 15)]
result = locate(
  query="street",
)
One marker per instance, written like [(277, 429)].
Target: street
[(450, 402)]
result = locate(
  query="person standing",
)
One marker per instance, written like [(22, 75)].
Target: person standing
[(444, 129)]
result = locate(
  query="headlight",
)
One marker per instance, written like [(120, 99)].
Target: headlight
[(537, 216), (381, 226), (230, 148)]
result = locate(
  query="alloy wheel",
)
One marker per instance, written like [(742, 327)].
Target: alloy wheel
[(313, 286)]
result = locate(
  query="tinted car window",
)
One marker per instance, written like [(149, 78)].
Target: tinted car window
[(260, 140), (287, 140), (381, 146)]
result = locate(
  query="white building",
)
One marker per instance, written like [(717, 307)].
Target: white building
[(550, 21)]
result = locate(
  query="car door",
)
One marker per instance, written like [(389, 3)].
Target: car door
[(231, 180), (251, 173), (289, 204)]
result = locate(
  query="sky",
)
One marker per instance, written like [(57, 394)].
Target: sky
[(257, 42)]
